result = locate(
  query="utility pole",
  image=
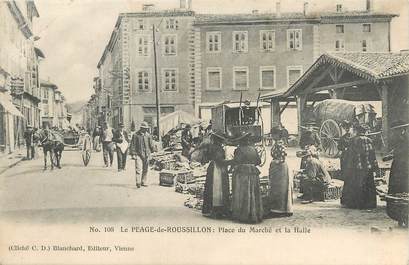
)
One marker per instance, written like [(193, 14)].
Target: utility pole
[(156, 83)]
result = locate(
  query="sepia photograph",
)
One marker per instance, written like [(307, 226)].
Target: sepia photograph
[(204, 132)]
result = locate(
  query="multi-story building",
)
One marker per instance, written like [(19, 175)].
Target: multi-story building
[(258, 53), (127, 67), (60, 110), (18, 71), (204, 59), (53, 106), (48, 112)]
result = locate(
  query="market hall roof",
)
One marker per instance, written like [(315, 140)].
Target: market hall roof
[(370, 66)]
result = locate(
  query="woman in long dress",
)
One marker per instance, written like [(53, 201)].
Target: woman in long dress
[(361, 193), (280, 193), (216, 202), (247, 206), (346, 162)]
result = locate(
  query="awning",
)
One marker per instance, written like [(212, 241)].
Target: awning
[(174, 119), (9, 107), (39, 52)]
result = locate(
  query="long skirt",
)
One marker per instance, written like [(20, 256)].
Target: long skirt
[(359, 190), (247, 206), (280, 189), (216, 200)]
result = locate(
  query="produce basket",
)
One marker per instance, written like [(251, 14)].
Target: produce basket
[(167, 177), (397, 208)]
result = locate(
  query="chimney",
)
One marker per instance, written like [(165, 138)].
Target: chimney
[(182, 4), (278, 9), (305, 8), (369, 5), (189, 4)]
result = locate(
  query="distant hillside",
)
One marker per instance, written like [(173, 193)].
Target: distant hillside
[(76, 106)]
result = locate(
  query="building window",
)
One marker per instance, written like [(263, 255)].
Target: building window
[(214, 78), (267, 40), (169, 44), (365, 45), (293, 74), (140, 24), (172, 23), (339, 8), (142, 45), (213, 42), (241, 78), (143, 79), (267, 77), (240, 41), (169, 79), (294, 39), (339, 29), (339, 45), (366, 27), (45, 93)]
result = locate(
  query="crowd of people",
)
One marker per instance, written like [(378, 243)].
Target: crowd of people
[(359, 168)]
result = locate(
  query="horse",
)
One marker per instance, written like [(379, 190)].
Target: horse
[(52, 143)]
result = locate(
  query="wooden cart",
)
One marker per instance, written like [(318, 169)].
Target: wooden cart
[(233, 119), (331, 112)]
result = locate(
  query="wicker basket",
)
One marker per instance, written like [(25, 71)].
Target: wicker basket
[(397, 209)]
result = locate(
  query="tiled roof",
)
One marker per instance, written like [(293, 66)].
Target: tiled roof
[(371, 66), (377, 65), (230, 18)]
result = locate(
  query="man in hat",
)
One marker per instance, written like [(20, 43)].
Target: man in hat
[(140, 150), (187, 141), (29, 138), (309, 137), (316, 178), (107, 145), (121, 139)]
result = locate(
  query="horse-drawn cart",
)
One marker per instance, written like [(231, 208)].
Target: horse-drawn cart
[(235, 119), (71, 138), (330, 113)]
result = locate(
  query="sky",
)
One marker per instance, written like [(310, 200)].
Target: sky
[(74, 33)]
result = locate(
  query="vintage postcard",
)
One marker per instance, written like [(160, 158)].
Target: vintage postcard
[(204, 132)]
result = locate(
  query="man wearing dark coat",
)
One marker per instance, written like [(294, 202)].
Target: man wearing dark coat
[(187, 141), (29, 138), (121, 139), (140, 150)]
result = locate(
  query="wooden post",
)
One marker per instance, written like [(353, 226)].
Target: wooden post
[(385, 116), (275, 112), (301, 100)]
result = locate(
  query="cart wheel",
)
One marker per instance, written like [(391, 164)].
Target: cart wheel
[(261, 150), (330, 134), (86, 157)]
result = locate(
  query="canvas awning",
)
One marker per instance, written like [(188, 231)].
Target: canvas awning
[(173, 119), (9, 107)]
